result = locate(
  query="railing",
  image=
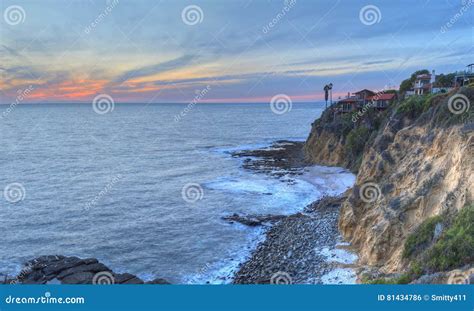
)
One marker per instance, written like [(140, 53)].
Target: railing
[(464, 73)]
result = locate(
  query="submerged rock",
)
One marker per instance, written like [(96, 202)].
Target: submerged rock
[(253, 220), (281, 158)]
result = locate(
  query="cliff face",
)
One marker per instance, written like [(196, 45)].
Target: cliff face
[(423, 173), (411, 168)]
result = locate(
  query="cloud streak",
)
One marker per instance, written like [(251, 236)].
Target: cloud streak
[(151, 70)]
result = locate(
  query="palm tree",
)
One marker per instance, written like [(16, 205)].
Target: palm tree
[(326, 94)]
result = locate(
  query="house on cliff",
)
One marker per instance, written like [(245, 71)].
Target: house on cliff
[(364, 98), (347, 105), (423, 84), (383, 100)]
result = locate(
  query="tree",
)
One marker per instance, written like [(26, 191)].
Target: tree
[(445, 80)]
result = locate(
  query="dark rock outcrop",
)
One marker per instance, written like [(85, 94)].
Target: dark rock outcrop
[(72, 270), (253, 220)]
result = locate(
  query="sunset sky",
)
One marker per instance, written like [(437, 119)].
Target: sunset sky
[(149, 51)]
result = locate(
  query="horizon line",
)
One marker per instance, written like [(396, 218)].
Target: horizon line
[(158, 103)]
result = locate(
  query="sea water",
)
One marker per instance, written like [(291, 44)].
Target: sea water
[(144, 191)]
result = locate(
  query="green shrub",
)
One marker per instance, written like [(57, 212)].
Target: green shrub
[(414, 272), (421, 238), (412, 106), (455, 247), (431, 99), (346, 124), (381, 281), (356, 140)]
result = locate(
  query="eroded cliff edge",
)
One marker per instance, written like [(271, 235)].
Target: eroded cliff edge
[(414, 165)]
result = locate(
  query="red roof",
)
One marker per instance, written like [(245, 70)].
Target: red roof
[(384, 96), (349, 100)]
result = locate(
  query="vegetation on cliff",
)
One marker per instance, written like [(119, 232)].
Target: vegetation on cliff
[(438, 244), (455, 246)]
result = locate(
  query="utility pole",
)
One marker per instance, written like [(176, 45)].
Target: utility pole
[(330, 89)]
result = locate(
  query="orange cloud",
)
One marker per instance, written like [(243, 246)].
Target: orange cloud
[(75, 90)]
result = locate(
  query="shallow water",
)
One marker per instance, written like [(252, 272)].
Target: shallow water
[(111, 186)]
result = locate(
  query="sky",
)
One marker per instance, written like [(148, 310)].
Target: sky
[(238, 50)]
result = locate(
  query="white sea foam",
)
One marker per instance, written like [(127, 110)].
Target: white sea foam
[(329, 180), (257, 146), (222, 272), (341, 257), (277, 196), (274, 196), (339, 276), (337, 255)]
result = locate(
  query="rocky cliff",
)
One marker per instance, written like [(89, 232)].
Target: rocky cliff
[(414, 165)]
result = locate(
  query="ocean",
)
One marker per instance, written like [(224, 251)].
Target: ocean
[(143, 188)]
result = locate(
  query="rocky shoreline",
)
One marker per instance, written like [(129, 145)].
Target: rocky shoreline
[(294, 249), (298, 249)]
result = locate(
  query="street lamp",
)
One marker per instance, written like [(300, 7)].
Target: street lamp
[(330, 92)]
